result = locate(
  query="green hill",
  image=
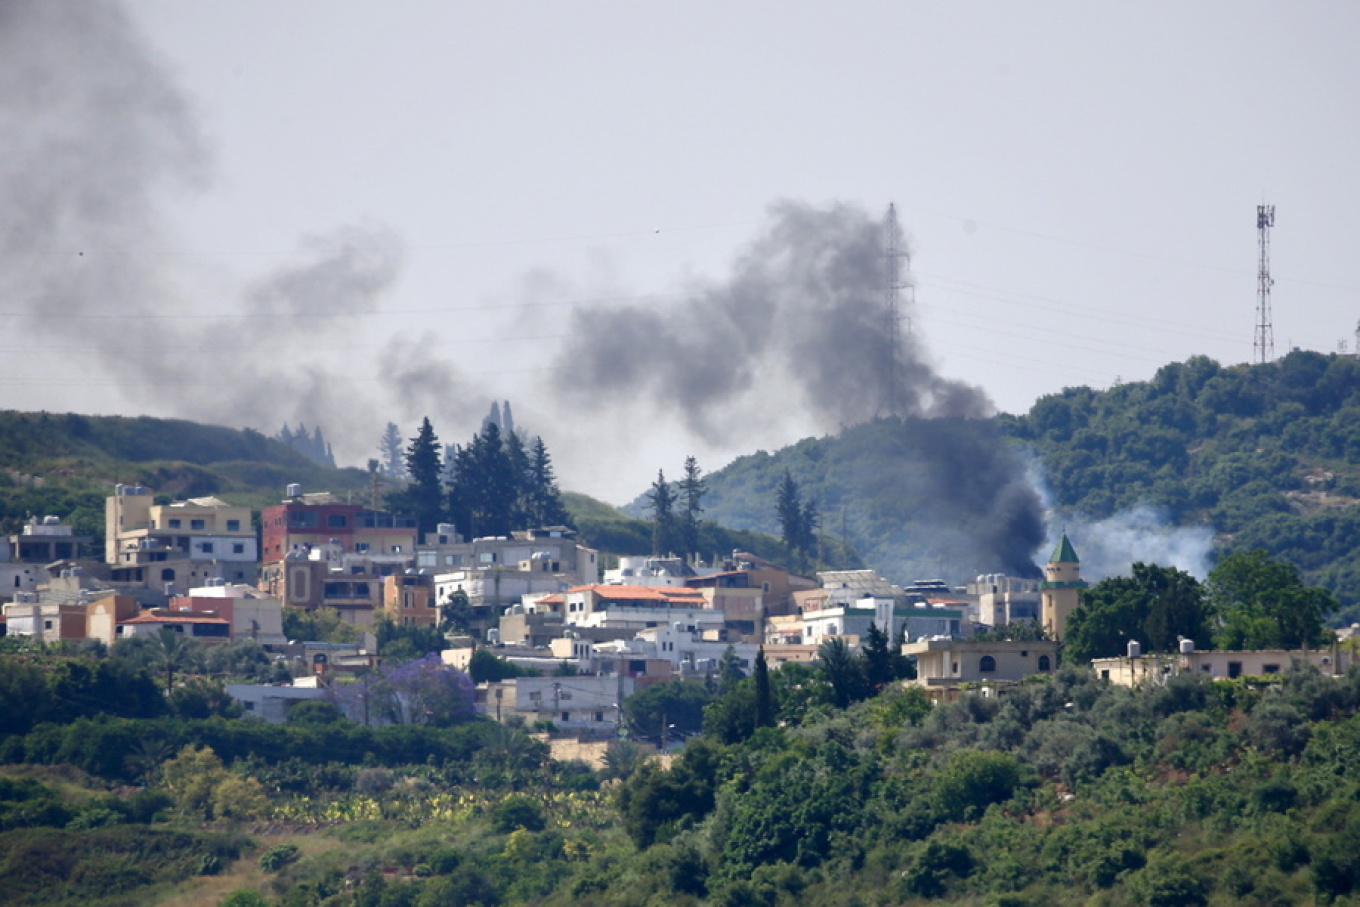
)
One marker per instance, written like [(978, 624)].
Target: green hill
[(66, 464), (1264, 456)]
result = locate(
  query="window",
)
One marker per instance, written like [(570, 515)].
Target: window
[(1270, 669), (207, 548), (238, 548), (336, 521), (599, 716), (198, 524), (1044, 664), (565, 717), (1234, 669), (233, 525), (987, 665), (167, 575), (174, 524)]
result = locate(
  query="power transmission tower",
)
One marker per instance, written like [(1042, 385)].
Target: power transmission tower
[(1264, 344), (896, 256)]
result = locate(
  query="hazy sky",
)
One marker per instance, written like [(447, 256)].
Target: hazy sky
[(353, 213)]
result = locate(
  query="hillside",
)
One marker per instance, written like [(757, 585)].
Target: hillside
[(66, 464), (1266, 456)]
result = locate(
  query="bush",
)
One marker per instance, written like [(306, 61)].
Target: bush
[(517, 811), (278, 856)]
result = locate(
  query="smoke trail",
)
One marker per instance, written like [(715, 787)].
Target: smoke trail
[(804, 312), (98, 137)]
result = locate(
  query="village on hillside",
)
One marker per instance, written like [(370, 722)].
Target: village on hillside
[(584, 637)]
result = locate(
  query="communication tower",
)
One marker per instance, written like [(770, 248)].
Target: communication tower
[(897, 261), (1264, 344)]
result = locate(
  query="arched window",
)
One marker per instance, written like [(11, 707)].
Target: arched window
[(987, 665), (1044, 664)]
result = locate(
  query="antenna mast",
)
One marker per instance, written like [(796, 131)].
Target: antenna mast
[(1264, 345), (896, 254)]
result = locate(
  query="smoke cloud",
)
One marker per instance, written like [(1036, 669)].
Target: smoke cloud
[(98, 140), (799, 334)]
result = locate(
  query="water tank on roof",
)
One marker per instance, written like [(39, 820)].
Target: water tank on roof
[(1135, 648), (444, 529), (294, 490), (1187, 646)]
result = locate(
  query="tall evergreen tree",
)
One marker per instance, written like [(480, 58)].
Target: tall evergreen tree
[(424, 467), (661, 501), (789, 509), (547, 508), (691, 497), (483, 491), (392, 451), (764, 701)]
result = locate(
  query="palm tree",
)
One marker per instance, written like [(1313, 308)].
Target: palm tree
[(172, 652)]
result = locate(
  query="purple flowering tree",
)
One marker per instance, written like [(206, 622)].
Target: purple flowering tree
[(425, 692)]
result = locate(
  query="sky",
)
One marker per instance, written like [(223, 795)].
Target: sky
[(656, 228)]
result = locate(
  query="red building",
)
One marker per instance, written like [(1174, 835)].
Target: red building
[(308, 521)]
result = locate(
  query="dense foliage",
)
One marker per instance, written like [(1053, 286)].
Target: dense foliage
[(1268, 455), (1064, 790)]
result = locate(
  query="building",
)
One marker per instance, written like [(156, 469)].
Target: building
[(206, 627), (998, 599), (271, 702), (583, 705), (249, 613), (408, 599), (1136, 668), (1060, 590), (26, 559), (304, 523), (181, 544), (947, 663)]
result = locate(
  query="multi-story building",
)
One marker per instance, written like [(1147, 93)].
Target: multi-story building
[(181, 544), (308, 521), (25, 558), (408, 599), (250, 613)]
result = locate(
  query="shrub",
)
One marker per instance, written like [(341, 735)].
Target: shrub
[(278, 856)]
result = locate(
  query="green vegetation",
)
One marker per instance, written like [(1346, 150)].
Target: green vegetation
[(1268, 455), (841, 788)]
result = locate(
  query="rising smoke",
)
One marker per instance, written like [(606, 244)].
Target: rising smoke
[(97, 139), (799, 333)]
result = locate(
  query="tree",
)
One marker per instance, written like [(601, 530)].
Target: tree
[(879, 670), (764, 702), (798, 520), (545, 499), (484, 490), (1261, 603), (661, 501), (665, 712), (1156, 606), (390, 446), (842, 671), (691, 498), (424, 467), (424, 691), (172, 652)]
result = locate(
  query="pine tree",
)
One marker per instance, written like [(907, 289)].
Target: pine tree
[(764, 702), (692, 490), (789, 509), (392, 450), (424, 467), (547, 507), (661, 500)]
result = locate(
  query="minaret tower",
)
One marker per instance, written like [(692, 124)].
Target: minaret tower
[(1060, 592)]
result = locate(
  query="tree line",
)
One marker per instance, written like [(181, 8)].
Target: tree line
[(493, 485)]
